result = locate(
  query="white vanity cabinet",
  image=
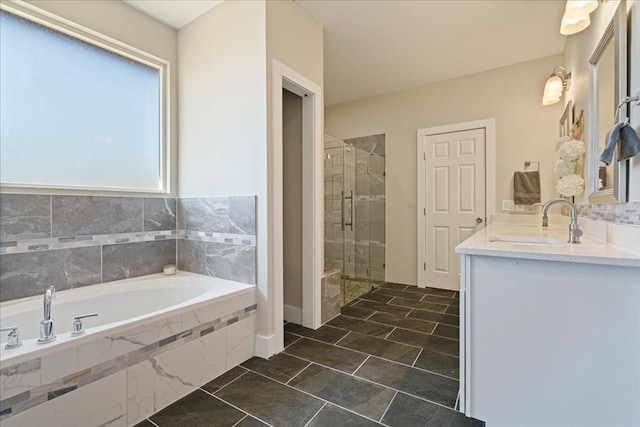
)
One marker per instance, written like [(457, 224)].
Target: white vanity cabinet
[(550, 336)]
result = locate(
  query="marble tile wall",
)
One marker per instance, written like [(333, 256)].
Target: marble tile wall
[(72, 241), (217, 237)]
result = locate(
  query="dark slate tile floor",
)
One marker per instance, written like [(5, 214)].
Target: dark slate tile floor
[(389, 359)]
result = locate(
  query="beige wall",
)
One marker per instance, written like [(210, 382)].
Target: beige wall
[(121, 22), (578, 50), (292, 197), (294, 39), (525, 130), (223, 102)]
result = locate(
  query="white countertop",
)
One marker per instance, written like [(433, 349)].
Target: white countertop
[(589, 251)]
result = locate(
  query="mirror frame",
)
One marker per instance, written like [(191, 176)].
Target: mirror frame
[(617, 28)]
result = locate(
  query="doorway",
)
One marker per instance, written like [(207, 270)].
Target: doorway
[(292, 167), (455, 193), (272, 298)]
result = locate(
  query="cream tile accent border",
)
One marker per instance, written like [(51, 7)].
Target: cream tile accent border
[(33, 245)]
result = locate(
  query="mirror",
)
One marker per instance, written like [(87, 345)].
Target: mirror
[(607, 86)]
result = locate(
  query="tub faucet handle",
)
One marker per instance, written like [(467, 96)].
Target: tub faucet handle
[(77, 324), (13, 339)]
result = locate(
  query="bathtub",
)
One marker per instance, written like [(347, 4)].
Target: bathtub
[(155, 339)]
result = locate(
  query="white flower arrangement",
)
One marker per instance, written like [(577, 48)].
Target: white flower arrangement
[(572, 149), (564, 167), (561, 141), (570, 185)]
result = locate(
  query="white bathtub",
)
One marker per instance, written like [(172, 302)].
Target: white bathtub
[(125, 301), (194, 326)]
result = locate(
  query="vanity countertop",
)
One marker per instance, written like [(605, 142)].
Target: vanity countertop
[(589, 251)]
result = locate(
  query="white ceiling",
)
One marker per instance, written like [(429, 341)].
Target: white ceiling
[(373, 47), (175, 13)]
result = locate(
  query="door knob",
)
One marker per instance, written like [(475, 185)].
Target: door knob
[(479, 220)]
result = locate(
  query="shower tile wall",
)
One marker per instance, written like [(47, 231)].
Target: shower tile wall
[(73, 241)]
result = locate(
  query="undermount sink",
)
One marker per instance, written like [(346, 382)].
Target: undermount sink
[(523, 240)]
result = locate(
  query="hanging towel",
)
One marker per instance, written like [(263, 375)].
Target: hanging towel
[(526, 187), (629, 142)]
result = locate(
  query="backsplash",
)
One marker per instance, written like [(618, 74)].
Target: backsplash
[(623, 213), (73, 241)]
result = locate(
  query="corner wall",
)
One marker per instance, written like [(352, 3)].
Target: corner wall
[(223, 113), (525, 130)]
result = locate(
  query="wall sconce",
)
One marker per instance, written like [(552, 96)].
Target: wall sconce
[(576, 16), (555, 86)]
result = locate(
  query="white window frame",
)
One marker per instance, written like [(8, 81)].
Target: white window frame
[(62, 25)]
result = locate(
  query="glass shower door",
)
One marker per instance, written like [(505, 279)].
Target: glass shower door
[(354, 222), (334, 230)]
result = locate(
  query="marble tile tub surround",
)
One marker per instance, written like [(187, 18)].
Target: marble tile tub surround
[(217, 237), (159, 363), (28, 216), (72, 241)]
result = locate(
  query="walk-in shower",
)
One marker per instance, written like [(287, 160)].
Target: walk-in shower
[(354, 212)]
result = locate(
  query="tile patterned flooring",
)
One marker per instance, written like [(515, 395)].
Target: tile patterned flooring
[(390, 358)]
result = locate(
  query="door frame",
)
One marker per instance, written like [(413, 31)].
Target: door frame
[(489, 127), (283, 77)]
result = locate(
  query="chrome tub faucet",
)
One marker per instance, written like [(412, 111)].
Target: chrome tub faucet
[(46, 325), (574, 230)]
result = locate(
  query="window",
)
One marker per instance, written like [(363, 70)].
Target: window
[(78, 110)]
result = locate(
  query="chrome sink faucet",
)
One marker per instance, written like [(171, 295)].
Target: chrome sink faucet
[(574, 230), (46, 325)]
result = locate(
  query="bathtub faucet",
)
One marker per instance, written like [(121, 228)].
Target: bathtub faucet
[(46, 325), (574, 230)]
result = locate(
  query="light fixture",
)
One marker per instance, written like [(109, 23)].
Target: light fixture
[(555, 86), (574, 25), (576, 16)]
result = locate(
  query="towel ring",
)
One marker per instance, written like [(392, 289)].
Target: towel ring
[(528, 163), (625, 100)]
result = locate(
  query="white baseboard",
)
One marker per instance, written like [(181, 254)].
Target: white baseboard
[(293, 314), (265, 346)]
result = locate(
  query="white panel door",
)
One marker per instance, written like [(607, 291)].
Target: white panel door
[(454, 200)]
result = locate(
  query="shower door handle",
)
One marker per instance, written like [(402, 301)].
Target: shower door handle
[(350, 198), (342, 210)]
